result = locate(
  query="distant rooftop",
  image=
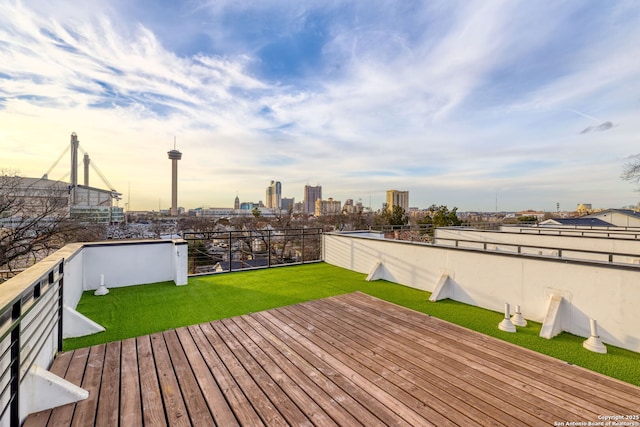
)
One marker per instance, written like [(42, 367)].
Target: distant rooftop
[(584, 221), (629, 212)]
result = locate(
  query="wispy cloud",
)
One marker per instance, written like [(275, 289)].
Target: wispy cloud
[(356, 96)]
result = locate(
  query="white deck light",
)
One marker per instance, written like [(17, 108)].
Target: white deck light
[(517, 318), (102, 290), (506, 324), (594, 343)]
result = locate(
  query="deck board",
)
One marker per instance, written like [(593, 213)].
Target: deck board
[(109, 398), (320, 391), (251, 389), (243, 409), (192, 395), (409, 402), (220, 409), (153, 410), (268, 384), (85, 412), (328, 370), (175, 408), (561, 397), (286, 379), (444, 368), (417, 370), (584, 389), (346, 360), (131, 406)]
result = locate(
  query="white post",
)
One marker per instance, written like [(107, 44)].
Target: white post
[(102, 290), (506, 324), (517, 318), (594, 343)]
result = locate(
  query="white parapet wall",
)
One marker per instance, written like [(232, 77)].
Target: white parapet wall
[(608, 293), (124, 263)]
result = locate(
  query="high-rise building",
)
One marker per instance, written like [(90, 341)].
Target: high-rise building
[(287, 203), (274, 195), (311, 194), (397, 198), (236, 203), (327, 207)]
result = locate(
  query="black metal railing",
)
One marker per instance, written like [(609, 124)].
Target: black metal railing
[(602, 233), (575, 254), (27, 322), (224, 251)]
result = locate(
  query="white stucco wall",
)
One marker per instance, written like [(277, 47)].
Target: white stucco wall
[(127, 264), (606, 293), (617, 218), (73, 270)]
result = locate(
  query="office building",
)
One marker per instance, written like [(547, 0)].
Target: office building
[(287, 203), (274, 195), (311, 194), (327, 207), (397, 198)]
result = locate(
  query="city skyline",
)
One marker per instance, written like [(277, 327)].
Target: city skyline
[(479, 105)]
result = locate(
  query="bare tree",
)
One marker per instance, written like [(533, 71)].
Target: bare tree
[(631, 171), (34, 220), (30, 216), (198, 224)]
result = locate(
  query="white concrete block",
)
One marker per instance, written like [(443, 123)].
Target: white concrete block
[(42, 390), (442, 290), (376, 272), (77, 325), (552, 324)]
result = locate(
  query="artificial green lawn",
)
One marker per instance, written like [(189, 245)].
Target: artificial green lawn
[(139, 310)]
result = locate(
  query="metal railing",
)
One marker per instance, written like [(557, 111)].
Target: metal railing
[(423, 228), (629, 259), (224, 251), (603, 232), (27, 323)]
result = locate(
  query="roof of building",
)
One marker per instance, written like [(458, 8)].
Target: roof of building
[(44, 183), (583, 221), (39, 183)]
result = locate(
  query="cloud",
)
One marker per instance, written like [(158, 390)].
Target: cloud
[(600, 128)]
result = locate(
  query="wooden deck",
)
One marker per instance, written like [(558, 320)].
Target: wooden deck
[(346, 360)]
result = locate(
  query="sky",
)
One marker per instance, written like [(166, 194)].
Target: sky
[(477, 105)]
